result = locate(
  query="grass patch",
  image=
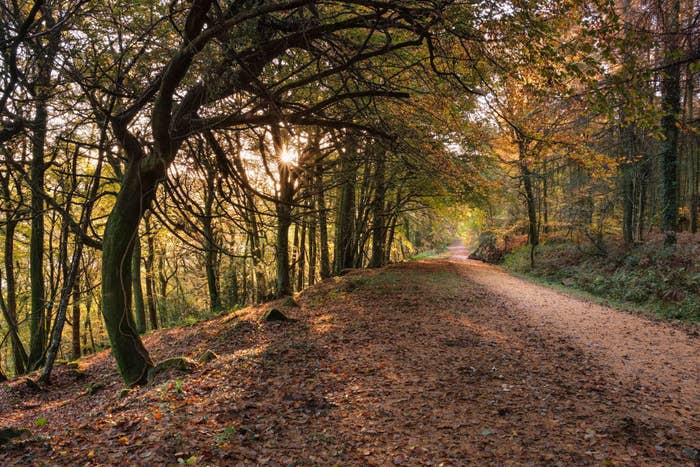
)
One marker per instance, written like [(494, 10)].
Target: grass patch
[(440, 253)]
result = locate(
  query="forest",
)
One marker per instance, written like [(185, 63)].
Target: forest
[(236, 200)]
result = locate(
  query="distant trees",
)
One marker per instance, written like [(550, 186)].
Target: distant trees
[(616, 127), (657, 134)]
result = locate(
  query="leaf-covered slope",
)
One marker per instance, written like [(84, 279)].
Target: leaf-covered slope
[(406, 365)]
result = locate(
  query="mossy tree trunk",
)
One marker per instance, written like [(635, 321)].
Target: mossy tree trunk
[(143, 173), (139, 304), (120, 233), (75, 334), (37, 317), (46, 48), (671, 106), (9, 306), (150, 275), (210, 247)]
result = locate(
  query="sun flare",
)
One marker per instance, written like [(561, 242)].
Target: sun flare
[(289, 156)]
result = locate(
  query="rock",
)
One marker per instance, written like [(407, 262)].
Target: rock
[(692, 454), (290, 302), (273, 314), (93, 388), (176, 363), (77, 374), (207, 356), (8, 434), (73, 365)]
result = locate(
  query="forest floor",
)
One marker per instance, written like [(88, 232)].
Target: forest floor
[(442, 362)]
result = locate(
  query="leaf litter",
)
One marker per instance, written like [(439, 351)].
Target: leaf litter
[(411, 364)]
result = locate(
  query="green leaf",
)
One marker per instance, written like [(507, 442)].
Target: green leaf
[(41, 421)]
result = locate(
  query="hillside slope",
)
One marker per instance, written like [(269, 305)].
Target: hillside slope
[(410, 364)]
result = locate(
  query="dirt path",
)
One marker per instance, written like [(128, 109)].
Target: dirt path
[(413, 364), (662, 360)]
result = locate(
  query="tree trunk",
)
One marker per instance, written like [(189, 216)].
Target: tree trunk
[(323, 225), (212, 284), (392, 230), (233, 292), (671, 106), (37, 317), (256, 254), (378, 215), (283, 207), (210, 249), (41, 92), (284, 221), (627, 205), (532, 237), (526, 176), (120, 233), (19, 354), (312, 243), (642, 194), (88, 327), (162, 288), (294, 260), (545, 197), (691, 150), (76, 351), (150, 275), (393, 213), (301, 262), (345, 224), (139, 305), (66, 292), (626, 134)]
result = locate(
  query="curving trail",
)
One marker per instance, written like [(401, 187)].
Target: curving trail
[(660, 359)]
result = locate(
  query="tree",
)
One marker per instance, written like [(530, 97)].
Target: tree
[(45, 50), (671, 107), (302, 29)]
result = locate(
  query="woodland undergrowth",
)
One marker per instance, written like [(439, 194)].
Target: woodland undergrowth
[(647, 277)]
